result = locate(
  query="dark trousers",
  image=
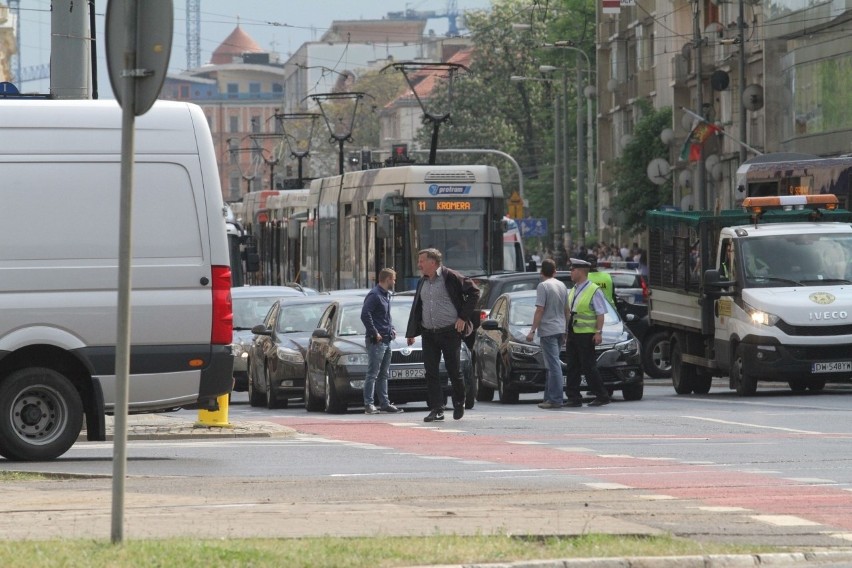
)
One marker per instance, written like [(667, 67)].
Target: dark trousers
[(448, 343), (580, 351)]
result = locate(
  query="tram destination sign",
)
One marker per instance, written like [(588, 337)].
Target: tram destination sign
[(450, 205)]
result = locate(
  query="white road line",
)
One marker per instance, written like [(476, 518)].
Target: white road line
[(812, 480), (843, 536), (607, 486), (722, 509), (784, 520), (525, 443), (658, 497), (760, 426), (574, 449)]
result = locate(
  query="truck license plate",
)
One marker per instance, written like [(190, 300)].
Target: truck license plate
[(407, 373), (832, 367)]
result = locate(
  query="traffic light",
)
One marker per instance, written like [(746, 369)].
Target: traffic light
[(354, 159)]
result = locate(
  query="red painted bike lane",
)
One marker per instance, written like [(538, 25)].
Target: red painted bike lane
[(712, 485)]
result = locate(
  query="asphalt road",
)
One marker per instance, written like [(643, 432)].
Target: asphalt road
[(772, 469)]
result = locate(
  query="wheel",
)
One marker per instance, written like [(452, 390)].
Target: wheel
[(312, 402), (816, 386), (255, 398), (633, 392), (798, 385), (484, 393), (745, 383), (272, 400), (41, 415), (702, 384), (333, 404), (656, 360), (684, 375), (507, 394)]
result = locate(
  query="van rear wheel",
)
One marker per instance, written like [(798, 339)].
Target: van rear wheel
[(41, 415), (684, 375)]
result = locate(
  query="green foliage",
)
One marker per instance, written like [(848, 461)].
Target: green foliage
[(633, 192)]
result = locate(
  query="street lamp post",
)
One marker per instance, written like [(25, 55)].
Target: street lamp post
[(559, 163), (585, 178)]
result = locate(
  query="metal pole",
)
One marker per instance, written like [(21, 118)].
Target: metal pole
[(700, 178), (742, 79), (122, 352), (590, 165), (581, 166), (558, 166), (566, 171)]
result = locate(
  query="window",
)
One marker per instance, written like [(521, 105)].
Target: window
[(184, 91), (254, 88), (233, 124), (255, 124), (233, 90)]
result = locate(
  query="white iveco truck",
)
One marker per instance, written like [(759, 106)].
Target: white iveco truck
[(758, 294)]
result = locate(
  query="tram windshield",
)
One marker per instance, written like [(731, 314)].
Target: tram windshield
[(456, 228)]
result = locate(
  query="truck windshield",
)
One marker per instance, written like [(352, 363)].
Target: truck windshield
[(797, 260)]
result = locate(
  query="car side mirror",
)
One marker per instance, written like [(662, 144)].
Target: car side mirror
[(320, 333), (261, 329), (490, 325)]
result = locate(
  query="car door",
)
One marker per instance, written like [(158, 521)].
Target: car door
[(270, 343), (259, 352), (491, 341), (317, 348)]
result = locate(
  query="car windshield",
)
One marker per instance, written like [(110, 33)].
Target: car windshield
[(248, 312), (298, 318), (351, 324), (522, 311), (625, 280)]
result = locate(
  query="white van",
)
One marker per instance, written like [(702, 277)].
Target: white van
[(60, 170)]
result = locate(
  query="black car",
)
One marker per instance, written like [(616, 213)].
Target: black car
[(337, 359), (503, 359), (251, 304), (276, 356)]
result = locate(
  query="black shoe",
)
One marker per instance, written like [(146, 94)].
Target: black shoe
[(391, 409), (574, 403), (458, 411), (370, 409), (435, 416), (599, 402)]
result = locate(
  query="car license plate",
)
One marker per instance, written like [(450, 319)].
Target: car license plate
[(832, 367), (408, 373)]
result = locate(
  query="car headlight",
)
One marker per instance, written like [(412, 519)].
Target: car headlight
[(354, 359), (760, 317), (238, 350), (629, 347), (290, 355), (524, 349)]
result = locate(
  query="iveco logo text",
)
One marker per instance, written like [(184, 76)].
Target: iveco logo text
[(449, 189), (817, 316)]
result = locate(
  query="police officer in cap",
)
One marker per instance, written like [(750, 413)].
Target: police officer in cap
[(585, 314)]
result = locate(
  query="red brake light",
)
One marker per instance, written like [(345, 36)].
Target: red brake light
[(645, 291), (222, 330), (482, 315)]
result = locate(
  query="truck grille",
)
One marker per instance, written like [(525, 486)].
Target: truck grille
[(814, 330)]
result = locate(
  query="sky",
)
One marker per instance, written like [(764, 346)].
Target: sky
[(276, 25)]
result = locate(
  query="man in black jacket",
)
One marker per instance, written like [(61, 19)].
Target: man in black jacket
[(441, 312)]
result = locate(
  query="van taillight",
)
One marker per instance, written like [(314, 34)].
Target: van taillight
[(645, 291), (222, 332)]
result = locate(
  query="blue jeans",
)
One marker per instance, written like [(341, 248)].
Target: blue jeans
[(379, 359), (553, 385)]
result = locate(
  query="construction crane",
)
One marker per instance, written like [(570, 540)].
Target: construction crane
[(451, 13), (193, 34)]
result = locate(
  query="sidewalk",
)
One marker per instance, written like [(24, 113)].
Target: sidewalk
[(174, 427)]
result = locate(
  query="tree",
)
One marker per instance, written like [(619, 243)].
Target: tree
[(633, 192)]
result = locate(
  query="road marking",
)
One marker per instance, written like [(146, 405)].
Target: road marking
[(574, 449), (607, 486), (812, 480), (721, 509), (784, 520), (658, 497), (747, 424), (525, 442), (844, 536), (615, 456)]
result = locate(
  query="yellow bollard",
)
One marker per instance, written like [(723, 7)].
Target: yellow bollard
[(215, 418)]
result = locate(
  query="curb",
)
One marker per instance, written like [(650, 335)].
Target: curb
[(158, 427), (708, 561)]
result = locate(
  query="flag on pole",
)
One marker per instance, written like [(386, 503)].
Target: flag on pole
[(696, 139), (611, 6)]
